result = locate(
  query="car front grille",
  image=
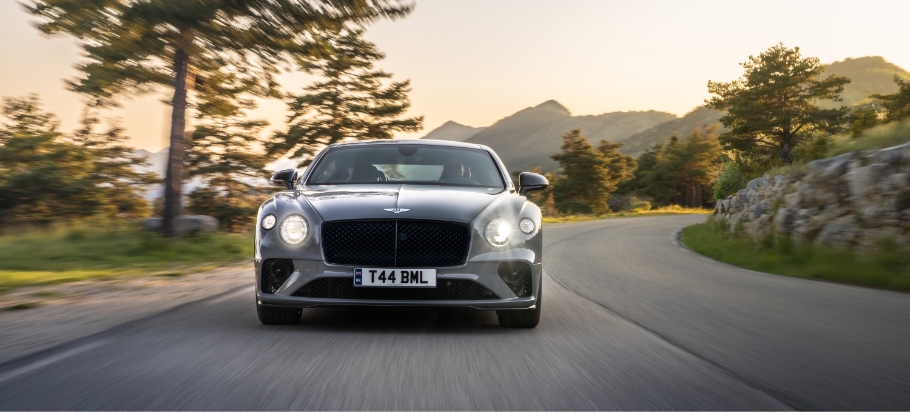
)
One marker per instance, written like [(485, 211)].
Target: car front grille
[(398, 243), (343, 288)]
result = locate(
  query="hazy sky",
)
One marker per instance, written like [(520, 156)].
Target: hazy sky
[(476, 61)]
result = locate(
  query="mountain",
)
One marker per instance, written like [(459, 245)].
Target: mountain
[(529, 137), (682, 127), (871, 74), (452, 131)]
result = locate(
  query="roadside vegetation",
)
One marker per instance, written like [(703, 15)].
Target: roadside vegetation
[(86, 251), (887, 268), (662, 211)]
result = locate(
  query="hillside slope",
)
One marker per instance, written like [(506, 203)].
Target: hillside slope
[(453, 131), (871, 74), (529, 137), (682, 127)]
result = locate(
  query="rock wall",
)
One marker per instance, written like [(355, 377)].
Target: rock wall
[(856, 200)]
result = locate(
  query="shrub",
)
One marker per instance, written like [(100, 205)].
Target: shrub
[(732, 177)]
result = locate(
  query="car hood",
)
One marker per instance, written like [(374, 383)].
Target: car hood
[(450, 203)]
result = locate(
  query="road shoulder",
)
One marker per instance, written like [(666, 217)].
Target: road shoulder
[(70, 311)]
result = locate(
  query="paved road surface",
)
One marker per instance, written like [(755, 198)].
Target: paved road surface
[(631, 321)]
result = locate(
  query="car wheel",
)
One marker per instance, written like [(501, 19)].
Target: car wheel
[(527, 318), (278, 316)]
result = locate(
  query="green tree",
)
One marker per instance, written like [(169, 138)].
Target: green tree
[(226, 153), (588, 175), (217, 48), (352, 101), (773, 108), (114, 167), (896, 105), (42, 178), (680, 172)]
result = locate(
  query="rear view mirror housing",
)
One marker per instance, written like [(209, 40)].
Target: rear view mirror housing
[(286, 178), (528, 182)]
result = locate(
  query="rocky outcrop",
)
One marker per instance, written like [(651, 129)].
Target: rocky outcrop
[(856, 200)]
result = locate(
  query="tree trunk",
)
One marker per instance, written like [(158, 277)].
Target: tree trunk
[(785, 149), (173, 179)]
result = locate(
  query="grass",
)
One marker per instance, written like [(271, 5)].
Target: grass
[(36, 257), (878, 137), (664, 211), (889, 268)]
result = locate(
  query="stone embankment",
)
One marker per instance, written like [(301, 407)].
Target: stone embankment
[(857, 200)]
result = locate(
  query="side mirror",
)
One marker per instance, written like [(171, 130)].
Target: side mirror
[(528, 182), (286, 178)]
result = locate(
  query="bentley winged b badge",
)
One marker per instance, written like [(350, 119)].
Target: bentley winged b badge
[(396, 210)]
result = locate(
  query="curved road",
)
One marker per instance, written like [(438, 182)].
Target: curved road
[(631, 321)]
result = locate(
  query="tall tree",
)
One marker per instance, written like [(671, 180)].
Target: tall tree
[(680, 172), (215, 47), (773, 107), (896, 105), (42, 178), (588, 175), (351, 101), (115, 170), (226, 153)]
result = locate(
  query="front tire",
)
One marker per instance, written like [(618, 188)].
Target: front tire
[(278, 316), (523, 318)]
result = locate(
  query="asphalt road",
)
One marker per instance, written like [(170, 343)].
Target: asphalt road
[(631, 321)]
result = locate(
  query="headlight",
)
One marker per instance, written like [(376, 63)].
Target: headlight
[(498, 232), (294, 229), (527, 225), (268, 222)]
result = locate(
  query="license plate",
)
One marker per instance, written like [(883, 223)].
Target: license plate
[(395, 277)]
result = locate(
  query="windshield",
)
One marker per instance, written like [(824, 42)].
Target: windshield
[(407, 163)]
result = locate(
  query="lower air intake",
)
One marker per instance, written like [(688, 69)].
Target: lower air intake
[(343, 288), (518, 276), (274, 273)]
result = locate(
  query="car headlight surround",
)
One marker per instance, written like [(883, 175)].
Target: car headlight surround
[(269, 221), (527, 225), (294, 229), (498, 232)]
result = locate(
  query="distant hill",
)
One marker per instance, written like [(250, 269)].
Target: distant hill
[(529, 137), (872, 74), (455, 132), (682, 127)]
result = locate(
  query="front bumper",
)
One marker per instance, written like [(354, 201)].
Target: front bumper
[(483, 273), (265, 299)]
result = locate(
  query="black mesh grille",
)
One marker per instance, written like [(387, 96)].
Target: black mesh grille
[(359, 243), (417, 244), (343, 288), (518, 276)]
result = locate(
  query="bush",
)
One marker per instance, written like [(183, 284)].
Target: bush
[(732, 177)]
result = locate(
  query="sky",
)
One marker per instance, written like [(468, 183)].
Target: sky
[(477, 61)]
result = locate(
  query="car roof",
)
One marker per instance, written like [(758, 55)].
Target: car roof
[(425, 142)]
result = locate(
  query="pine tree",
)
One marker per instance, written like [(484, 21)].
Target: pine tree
[(213, 47), (588, 175), (680, 172), (42, 177), (773, 108), (351, 101), (226, 153), (115, 164), (896, 105)]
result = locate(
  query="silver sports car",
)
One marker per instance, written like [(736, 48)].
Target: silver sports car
[(401, 223)]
